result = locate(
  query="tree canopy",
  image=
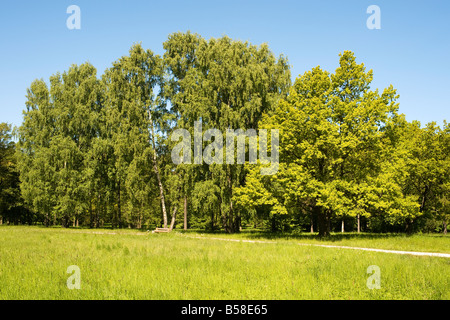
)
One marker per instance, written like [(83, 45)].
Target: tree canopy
[(97, 150)]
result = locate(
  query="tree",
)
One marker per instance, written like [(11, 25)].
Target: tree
[(75, 96), (223, 84), (34, 159), (332, 128), (10, 200), (96, 151), (428, 169), (134, 114), (86, 144), (442, 208), (54, 142), (262, 195)]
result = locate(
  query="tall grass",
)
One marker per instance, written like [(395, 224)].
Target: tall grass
[(133, 265), (390, 241)]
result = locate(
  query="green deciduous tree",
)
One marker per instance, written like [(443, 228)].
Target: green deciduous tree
[(10, 200), (428, 169), (134, 115), (98, 150), (333, 132), (54, 143), (223, 84)]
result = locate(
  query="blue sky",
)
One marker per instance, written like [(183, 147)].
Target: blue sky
[(411, 50)]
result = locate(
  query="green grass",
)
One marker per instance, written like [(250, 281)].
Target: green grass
[(395, 241), (137, 265)]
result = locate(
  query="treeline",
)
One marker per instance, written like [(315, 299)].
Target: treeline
[(96, 151)]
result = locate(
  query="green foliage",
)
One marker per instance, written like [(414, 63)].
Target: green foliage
[(225, 84), (96, 151), (335, 149), (11, 203), (84, 146)]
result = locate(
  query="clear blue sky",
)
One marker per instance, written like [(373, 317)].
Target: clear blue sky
[(411, 51)]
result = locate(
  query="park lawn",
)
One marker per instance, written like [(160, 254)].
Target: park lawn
[(438, 243), (129, 264)]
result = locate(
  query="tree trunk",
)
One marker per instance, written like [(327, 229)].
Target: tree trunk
[(237, 224), (273, 224), (445, 227), (119, 209), (342, 226), (359, 223), (113, 214), (185, 212), (409, 226), (155, 167), (328, 218), (235, 220), (65, 223), (172, 223), (91, 215), (424, 199), (231, 221), (140, 218), (221, 215), (97, 212), (312, 224), (322, 219)]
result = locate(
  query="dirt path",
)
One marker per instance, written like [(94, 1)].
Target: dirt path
[(414, 253)]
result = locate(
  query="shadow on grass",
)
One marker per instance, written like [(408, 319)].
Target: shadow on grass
[(261, 234), (255, 234)]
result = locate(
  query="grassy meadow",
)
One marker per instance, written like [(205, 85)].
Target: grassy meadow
[(128, 264)]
